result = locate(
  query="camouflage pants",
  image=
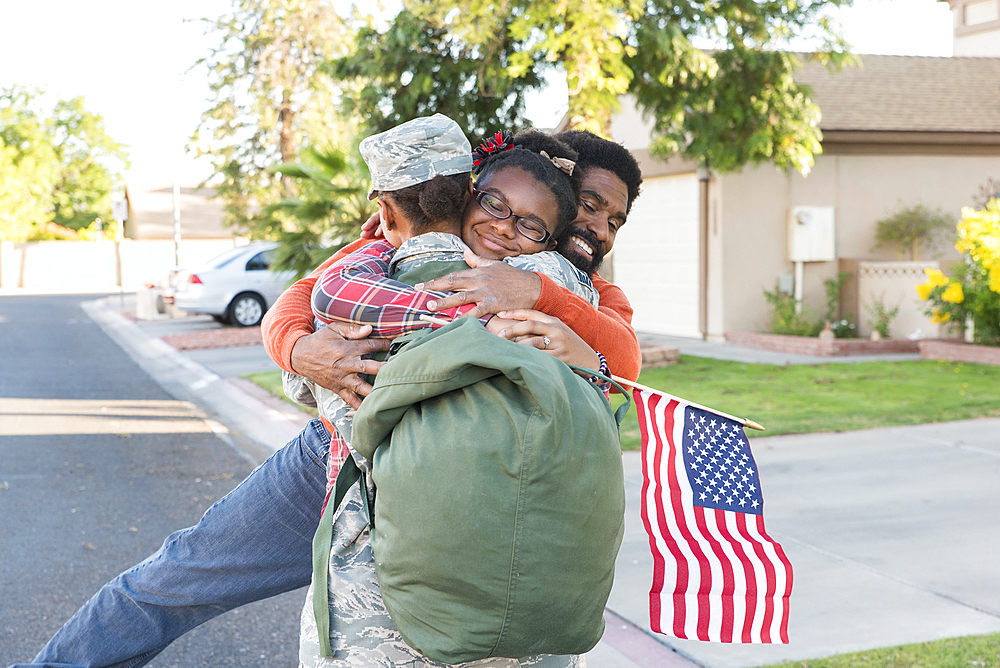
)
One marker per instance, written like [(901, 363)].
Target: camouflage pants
[(361, 633)]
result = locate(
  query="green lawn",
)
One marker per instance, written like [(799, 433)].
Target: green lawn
[(271, 381), (968, 652), (800, 399)]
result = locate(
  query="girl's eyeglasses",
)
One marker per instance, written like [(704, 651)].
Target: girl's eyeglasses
[(497, 208)]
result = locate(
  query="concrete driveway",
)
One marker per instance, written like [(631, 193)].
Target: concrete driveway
[(893, 534)]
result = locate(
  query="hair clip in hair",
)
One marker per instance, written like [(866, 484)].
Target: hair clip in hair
[(562, 164), (501, 141)]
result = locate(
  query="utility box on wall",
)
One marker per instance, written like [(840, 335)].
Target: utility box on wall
[(811, 234)]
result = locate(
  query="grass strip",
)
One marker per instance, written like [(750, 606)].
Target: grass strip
[(803, 399), (967, 652), (271, 381)]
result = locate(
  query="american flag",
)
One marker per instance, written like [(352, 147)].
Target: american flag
[(717, 575)]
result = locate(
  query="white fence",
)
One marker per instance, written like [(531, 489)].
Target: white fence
[(76, 266)]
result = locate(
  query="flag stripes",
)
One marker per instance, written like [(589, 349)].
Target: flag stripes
[(717, 575)]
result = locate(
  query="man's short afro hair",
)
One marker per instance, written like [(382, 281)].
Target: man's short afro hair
[(596, 151)]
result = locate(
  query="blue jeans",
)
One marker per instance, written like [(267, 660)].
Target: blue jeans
[(254, 543)]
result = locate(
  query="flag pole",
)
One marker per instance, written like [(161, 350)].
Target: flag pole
[(745, 422)]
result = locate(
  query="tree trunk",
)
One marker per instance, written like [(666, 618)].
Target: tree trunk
[(286, 115)]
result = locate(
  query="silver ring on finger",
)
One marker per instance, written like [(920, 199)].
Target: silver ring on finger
[(546, 341)]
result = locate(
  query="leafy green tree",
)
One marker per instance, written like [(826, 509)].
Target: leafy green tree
[(269, 98), (734, 104), (407, 69), (589, 39), (415, 67), (910, 227), (84, 152), (28, 168), (57, 166), (738, 103)]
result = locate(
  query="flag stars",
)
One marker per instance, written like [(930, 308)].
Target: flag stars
[(717, 459)]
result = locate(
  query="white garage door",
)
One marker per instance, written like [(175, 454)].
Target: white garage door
[(656, 256)]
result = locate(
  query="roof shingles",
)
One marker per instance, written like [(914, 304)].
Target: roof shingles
[(908, 94)]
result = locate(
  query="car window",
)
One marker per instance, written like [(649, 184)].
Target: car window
[(259, 262), (222, 260)]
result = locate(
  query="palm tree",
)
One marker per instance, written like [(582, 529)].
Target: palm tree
[(331, 205)]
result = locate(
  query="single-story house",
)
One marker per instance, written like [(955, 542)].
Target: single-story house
[(897, 131)]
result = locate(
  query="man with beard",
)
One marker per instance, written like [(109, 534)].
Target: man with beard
[(611, 180)]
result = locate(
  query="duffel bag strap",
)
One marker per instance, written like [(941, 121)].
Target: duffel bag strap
[(622, 410), (322, 544)]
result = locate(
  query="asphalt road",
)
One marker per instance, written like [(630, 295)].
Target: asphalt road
[(98, 464)]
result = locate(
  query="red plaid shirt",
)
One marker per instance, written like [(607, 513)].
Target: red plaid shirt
[(338, 453), (358, 290)]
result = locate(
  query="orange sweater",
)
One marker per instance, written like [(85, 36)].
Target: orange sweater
[(608, 331)]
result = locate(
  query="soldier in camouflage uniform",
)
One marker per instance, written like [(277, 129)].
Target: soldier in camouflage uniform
[(361, 631)]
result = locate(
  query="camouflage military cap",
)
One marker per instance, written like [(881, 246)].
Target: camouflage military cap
[(414, 152)]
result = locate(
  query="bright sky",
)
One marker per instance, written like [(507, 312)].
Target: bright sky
[(130, 60)]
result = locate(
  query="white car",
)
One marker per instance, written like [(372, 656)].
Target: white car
[(236, 287)]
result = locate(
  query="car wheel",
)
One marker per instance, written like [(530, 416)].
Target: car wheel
[(246, 310)]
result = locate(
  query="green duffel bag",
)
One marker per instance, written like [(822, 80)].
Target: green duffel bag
[(500, 497)]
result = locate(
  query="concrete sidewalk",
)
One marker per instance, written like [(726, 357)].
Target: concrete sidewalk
[(893, 533), (734, 353)]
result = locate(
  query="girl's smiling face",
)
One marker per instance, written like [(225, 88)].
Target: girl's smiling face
[(494, 238)]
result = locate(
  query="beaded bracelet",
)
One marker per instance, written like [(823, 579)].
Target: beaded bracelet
[(604, 370)]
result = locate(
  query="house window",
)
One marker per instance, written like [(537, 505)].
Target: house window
[(981, 11)]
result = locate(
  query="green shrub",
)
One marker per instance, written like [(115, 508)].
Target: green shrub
[(881, 317), (784, 319), (910, 227)]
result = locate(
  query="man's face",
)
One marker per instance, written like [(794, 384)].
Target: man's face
[(603, 202)]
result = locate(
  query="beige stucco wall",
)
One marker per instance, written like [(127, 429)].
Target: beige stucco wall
[(754, 205), (630, 127)]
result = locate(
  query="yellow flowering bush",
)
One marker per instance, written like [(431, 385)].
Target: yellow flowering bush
[(974, 288)]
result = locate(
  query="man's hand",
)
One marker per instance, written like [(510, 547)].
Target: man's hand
[(332, 358), (493, 286)]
